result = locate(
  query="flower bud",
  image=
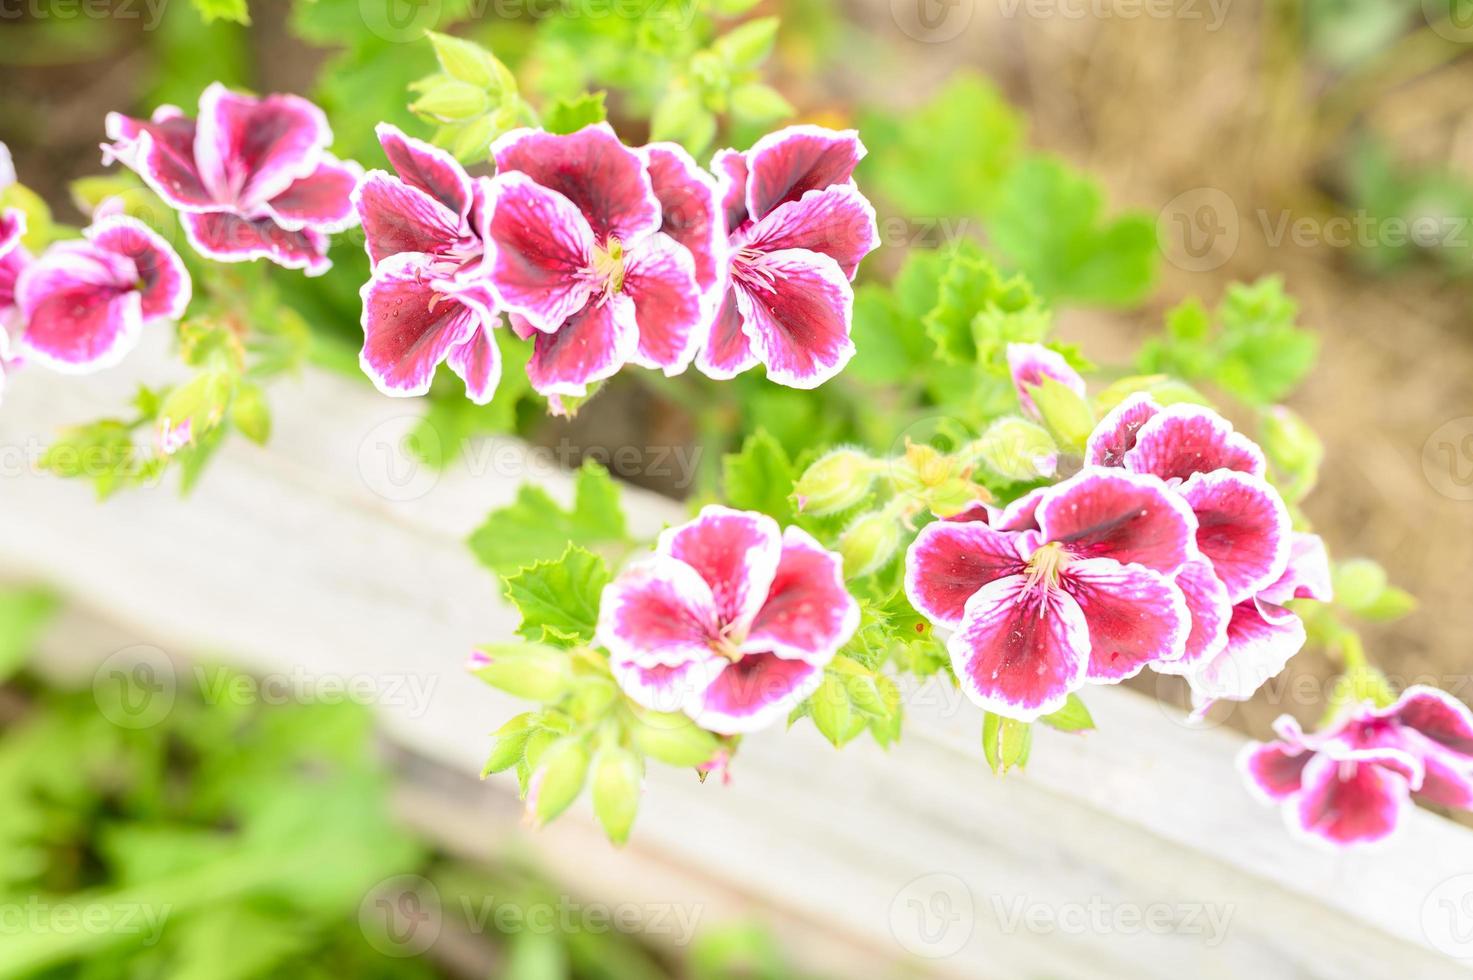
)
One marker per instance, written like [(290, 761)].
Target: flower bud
[(526, 670), (1006, 742), (673, 739), (618, 779), (192, 409), (559, 780), (835, 482), (869, 543), (1066, 413), (1017, 449)]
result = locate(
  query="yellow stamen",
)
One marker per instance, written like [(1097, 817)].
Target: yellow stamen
[(1047, 564)]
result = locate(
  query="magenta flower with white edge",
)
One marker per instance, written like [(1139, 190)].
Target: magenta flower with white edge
[(797, 229), (730, 621), (1260, 634), (575, 252), (85, 303), (251, 177), (12, 220), (1086, 597), (1030, 365), (424, 303), (1354, 782), (690, 213)]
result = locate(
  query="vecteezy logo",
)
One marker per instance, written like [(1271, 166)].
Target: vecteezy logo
[(933, 916), (1451, 19), (1198, 229), (401, 916), (932, 21), (1447, 459), (391, 459), (1447, 917), (399, 20), (135, 687)]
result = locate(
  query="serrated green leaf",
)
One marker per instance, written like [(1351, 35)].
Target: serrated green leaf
[(535, 528), (235, 11), (559, 599), (760, 477), (978, 311), (568, 115)]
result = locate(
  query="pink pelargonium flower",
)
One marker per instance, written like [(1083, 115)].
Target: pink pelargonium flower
[(425, 303), (798, 228), (575, 252), (1030, 365), (1354, 782), (731, 621), (85, 303), (1084, 594), (13, 258), (12, 220), (251, 177)]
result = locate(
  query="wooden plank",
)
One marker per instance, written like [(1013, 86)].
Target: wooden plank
[(1132, 850)]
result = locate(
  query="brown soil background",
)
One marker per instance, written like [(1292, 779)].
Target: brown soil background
[(1154, 107)]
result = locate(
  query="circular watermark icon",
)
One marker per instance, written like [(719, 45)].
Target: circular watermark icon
[(932, 21), (1447, 917), (399, 21), (401, 916), (1198, 229), (1450, 19), (135, 687), (391, 458), (933, 917), (1447, 458)]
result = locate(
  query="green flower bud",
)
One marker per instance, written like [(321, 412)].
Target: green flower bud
[(832, 713), (193, 408), (592, 697), (250, 414), (1006, 742), (1017, 449), (835, 482), (953, 496), (451, 101), (869, 543), (1294, 451), (560, 778), (673, 739), (1066, 413), (533, 671), (618, 779)]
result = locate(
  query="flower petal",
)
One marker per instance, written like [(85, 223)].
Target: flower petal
[(1207, 601), (668, 688), (1355, 799), (1115, 434), (165, 282), (659, 276), (1020, 649), (322, 200), (754, 692), (1030, 364), (411, 324), (736, 552), (1307, 576), (1119, 515), (478, 362), (227, 237), (949, 562), (809, 613), (604, 179), (785, 165), (799, 320), (591, 345), (161, 151), (250, 150), (837, 221), (1022, 514), (1181, 440), (1436, 715), (12, 228), (690, 209), (1135, 616), (399, 218), (1257, 649), (1273, 770), (538, 246), (81, 309), (1242, 528), (658, 611), (726, 351), (427, 168)]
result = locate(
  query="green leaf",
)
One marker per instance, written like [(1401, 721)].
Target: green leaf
[(830, 709), (559, 599), (1050, 224), (683, 118), (568, 115), (510, 744), (250, 413), (535, 528), (978, 312), (1072, 717), (760, 477), (468, 62), (23, 613), (747, 45), (235, 11), (1006, 742), (759, 104)]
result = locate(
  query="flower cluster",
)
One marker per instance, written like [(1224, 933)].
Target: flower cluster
[(1353, 782), (1167, 549), (603, 255), (731, 621)]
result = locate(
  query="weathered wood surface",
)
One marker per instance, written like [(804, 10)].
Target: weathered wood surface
[(1132, 851)]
